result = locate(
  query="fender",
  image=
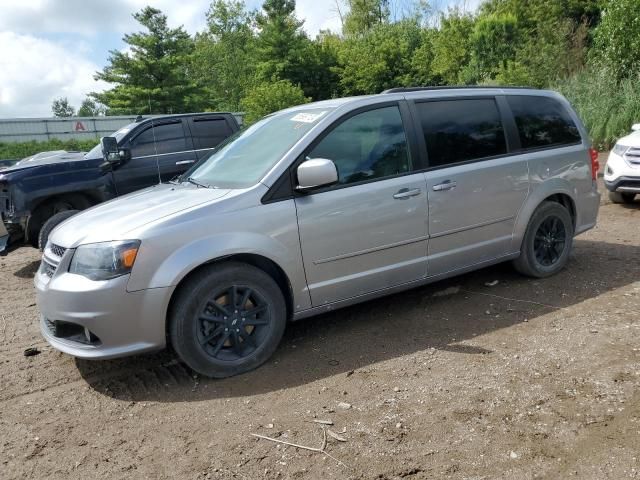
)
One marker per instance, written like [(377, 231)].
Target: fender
[(539, 192)]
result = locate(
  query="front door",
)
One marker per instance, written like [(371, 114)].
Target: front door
[(368, 232), (475, 188), (159, 152)]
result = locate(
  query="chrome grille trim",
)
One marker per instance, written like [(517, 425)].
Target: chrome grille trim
[(57, 250)]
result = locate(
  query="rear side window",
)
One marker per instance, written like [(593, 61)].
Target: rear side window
[(166, 138), (209, 132), (461, 130), (367, 146), (542, 122)]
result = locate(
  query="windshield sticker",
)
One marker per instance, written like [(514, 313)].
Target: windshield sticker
[(307, 117)]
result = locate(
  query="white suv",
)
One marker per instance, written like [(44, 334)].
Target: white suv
[(622, 173)]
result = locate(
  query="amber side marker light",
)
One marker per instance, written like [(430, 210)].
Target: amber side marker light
[(129, 257)]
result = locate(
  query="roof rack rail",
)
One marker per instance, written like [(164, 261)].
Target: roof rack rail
[(451, 87)]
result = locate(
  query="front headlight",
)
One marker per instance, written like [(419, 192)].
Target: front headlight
[(105, 260), (620, 150)]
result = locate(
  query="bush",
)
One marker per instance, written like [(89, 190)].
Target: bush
[(270, 97), (20, 150), (607, 107)]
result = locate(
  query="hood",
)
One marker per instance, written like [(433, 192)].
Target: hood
[(631, 140), (113, 220), (45, 158)]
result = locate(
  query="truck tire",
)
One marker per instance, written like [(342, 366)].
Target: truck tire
[(547, 242), (617, 197), (52, 223), (227, 318)]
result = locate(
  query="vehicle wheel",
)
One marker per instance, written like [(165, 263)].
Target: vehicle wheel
[(547, 241), (49, 225), (617, 197), (227, 319)]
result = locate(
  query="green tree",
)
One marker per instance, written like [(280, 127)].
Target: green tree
[(452, 47), (617, 39), (224, 59), (60, 107), (270, 97), (493, 44), (152, 77), (364, 15), (89, 108), (379, 59), (281, 42)]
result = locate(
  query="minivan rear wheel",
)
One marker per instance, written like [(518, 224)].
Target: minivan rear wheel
[(547, 242), (227, 319)]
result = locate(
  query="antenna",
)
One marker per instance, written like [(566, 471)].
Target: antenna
[(155, 149)]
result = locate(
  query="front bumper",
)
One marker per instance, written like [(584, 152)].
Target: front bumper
[(623, 184), (621, 175), (100, 320)]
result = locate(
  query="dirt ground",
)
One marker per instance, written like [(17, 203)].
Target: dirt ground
[(461, 379)]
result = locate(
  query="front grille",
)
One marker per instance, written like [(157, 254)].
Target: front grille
[(47, 268), (57, 250), (632, 156)]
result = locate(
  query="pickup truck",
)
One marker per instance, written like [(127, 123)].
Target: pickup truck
[(35, 196)]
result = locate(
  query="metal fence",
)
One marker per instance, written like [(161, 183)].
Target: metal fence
[(42, 129), (81, 128)]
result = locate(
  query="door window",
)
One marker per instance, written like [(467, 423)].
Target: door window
[(367, 146), (542, 122), (166, 138), (461, 130), (209, 132)]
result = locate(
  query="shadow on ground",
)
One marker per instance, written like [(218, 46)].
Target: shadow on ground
[(383, 329)]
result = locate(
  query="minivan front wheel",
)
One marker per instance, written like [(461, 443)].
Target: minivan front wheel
[(547, 242), (227, 319)]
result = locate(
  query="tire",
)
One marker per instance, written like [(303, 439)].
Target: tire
[(50, 224), (617, 197), (51, 207), (544, 253), (200, 314)]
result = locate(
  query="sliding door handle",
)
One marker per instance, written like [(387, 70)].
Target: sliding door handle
[(446, 185), (406, 193)]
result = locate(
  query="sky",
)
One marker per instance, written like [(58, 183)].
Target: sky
[(52, 48)]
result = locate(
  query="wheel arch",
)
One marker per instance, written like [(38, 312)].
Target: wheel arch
[(267, 265), (37, 217), (559, 193)]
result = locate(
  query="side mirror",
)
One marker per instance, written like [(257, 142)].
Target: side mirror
[(315, 173), (110, 151), (635, 127)]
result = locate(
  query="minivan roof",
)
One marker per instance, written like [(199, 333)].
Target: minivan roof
[(485, 89)]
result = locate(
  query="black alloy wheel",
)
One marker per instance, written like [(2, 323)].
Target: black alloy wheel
[(550, 241), (233, 323)]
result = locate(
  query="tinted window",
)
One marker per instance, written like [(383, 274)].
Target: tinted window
[(168, 138), (367, 146), (461, 130), (208, 133), (542, 122)]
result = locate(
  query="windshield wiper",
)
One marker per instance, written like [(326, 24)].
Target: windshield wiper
[(195, 182)]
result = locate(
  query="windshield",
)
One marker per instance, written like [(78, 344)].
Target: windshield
[(245, 159), (97, 151)]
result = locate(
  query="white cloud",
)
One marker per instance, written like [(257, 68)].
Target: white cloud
[(34, 71)]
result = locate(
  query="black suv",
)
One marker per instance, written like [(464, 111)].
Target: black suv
[(37, 195)]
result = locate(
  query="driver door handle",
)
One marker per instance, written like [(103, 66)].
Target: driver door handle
[(185, 162), (446, 185), (406, 193)]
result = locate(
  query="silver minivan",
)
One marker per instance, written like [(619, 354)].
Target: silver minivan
[(314, 208)]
